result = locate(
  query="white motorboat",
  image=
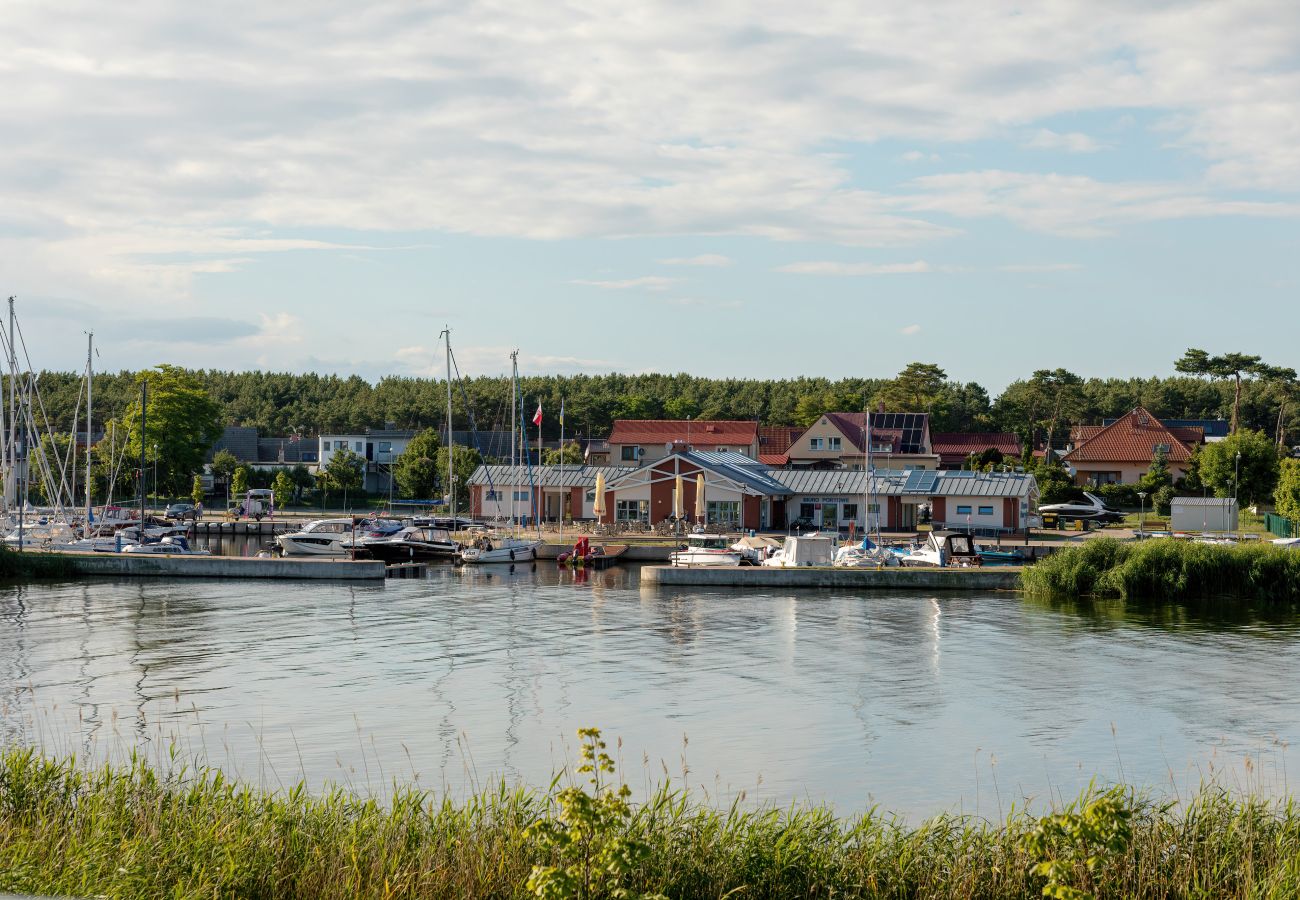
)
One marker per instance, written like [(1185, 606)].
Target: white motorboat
[(38, 534), (500, 550), (706, 550), (866, 555), (322, 537), (803, 550), (945, 548), (1090, 509), (172, 545), (414, 543)]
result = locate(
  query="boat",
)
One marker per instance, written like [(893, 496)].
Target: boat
[(413, 543), (370, 531), (803, 550), (1287, 543), (322, 537), (1090, 509), (996, 557), (706, 550), (866, 555), (753, 550), (172, 545), (583, 554), (945, 548)]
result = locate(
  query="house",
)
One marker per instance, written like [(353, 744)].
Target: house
[(740, 492), (1121, 452), (634, 442), (378, 447), (838, 441), (774, 442), (956, 448), (596, 451)]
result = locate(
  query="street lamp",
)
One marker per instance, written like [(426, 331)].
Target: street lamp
[(1236, 476), (1142, 512)]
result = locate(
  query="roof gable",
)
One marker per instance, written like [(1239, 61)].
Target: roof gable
[(701, 433), (1131, 439)]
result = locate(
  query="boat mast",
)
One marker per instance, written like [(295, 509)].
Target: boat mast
[(514, 428), (11, 459), (451, 447), (90, 392), (144, 398)]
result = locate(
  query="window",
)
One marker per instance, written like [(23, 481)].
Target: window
[(632, 511), (850, 511), (340, 445), (722, 449), (805, 510), (722, 512), (385, 446), (360, 446), (630, 454), (521, 495), (1161, 448), (814, 443), (873, 508), (591, 496), (963, 510), (986, 510), (494, 495), (882, 447), (835, 443)]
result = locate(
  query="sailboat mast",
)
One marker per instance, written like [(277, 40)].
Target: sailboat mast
[(451, 447), (514, 429), (90, 409), (12, 460)]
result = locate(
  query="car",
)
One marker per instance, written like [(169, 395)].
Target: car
[(181, 512)]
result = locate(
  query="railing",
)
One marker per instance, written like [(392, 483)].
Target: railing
[(1281, 526)]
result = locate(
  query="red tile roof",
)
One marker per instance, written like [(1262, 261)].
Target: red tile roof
[(1131, 439), (774, 439), (702, 433), (774, 459), (954, 447)]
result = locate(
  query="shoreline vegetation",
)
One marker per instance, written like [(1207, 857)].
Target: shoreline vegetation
[(134, 831), (1167, 570)]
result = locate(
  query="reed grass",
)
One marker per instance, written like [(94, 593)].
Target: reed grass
[(131, 831), (26, 566), (1165, 570)]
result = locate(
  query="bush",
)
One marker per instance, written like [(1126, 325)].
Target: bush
[(1123, 496)]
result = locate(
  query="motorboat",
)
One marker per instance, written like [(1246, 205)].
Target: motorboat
[(1091, 509), (172, 545), (40, 533), (866, 555), (583, 554), (1287, 543), (705, 550), (488, 549), (945, 548), (754, 549), (413, 543), (322, 537), (369, 531), (803, 550)]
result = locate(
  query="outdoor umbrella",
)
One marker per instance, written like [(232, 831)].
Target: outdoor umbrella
[(679, 499), (599, 507), (699, 498)]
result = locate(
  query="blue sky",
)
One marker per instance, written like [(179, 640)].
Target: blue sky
[(747, 189)]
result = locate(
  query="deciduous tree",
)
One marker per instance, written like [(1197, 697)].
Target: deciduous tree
[(1253, 479), (1286, 497), (416, 469), (182, 421)]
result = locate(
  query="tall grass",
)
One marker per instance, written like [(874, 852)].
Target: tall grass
[(33, 565), (130, 831), (1168, 570)]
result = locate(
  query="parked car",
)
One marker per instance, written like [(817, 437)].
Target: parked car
[(180, 512)]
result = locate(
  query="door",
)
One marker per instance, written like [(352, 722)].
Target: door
[(830, 517)]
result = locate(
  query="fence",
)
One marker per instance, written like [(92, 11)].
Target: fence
[(1280, 526)]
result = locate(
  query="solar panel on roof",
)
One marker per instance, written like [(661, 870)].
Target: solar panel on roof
[(921, 481)]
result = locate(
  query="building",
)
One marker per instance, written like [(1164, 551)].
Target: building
[(838, 441), (638, 442), (956, 448), (1121, 452), (740, 492), (774, 442), (1203, 514), (378, 447)]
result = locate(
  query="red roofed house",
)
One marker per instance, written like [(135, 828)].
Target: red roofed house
[(837, 441), (634, 442), (773, 443), (1121, 452), (956, 448)]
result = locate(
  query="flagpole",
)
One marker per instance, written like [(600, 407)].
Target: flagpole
[(563, 489)]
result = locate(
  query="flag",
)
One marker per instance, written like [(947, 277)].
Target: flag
[(537, 416), (561, 412)]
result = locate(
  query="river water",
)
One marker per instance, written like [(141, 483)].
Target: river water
[(918, 703)]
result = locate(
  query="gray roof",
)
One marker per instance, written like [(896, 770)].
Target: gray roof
[(893, 482), (239, 440), (548, 476), (1203, 501), (739, 467)]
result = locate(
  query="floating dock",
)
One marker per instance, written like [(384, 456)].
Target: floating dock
[(996, 578), (648, 552), (163, 566)]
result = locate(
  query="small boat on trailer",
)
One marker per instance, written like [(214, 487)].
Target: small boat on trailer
[(583, 554)]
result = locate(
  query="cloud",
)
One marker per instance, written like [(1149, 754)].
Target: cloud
[(1071, 142), (1040, 267), (703, 303), (910, 330), (843, 268), (649, 282), (704, 259)]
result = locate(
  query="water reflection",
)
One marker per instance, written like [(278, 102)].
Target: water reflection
[(917, 702)]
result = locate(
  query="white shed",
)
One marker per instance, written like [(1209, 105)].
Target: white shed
[(1203, 514)]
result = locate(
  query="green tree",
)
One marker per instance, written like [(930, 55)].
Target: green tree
[(464, 463), (915, 389), (282, 489), (183, 422), (1286, 497), (239, 481), (1230, 365), (416, 470), (109, 466), (196, 490), (1054, 483), (224, 465), (570, 455), (1157, 475), (345, 472), (1218, 467)]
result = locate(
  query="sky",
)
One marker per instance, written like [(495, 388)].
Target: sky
[(756, 189)]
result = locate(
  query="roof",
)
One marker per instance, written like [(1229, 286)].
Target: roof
[(954, 447), (907, 431), (1132, 439), (739, 468), (547, 476), (1081, 433), (776, 439), (1210, 428), (701, 433), (775, 460), (239, 440), (1225, 502)]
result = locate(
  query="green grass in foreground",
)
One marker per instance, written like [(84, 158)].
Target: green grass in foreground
[(133, 832), (1168, 570)]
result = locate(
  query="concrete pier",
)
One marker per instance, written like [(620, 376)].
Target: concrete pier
[(161, 566), (919, 579)]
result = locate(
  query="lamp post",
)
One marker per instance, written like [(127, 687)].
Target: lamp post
[(1236, 476), (1142, 512), (155, 472)]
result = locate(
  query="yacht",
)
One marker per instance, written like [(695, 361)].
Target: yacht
[(945, 548), (323, 537), (1091, 509), (488, 549), (172, 545), (414, 543), (706, 550), (866, 555), (800, 551)]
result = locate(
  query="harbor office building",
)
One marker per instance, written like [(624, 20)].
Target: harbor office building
[(740, 493)]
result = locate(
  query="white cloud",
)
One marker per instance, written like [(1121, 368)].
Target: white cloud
[(843, 268), (1071, 142), (649, 282), (704, 259), (704, 303), (910, 330), (1040, 267)]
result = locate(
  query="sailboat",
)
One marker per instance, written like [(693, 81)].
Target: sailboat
[(867, 553), (512, 548)]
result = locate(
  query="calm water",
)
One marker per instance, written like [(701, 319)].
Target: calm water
[(921, 704)]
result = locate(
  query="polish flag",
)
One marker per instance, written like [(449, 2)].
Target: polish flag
[(537, 416)]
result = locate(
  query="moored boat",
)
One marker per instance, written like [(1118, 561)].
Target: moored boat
[(706, 550)]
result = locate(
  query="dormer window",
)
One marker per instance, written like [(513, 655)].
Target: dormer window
[(1160, 448)]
